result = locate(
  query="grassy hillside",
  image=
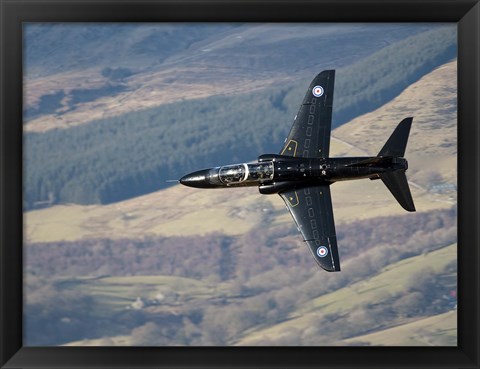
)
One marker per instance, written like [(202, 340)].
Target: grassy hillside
[(133, 154), (372, 291), (183, 211), (154, 64), (432, 147), (257, 305), (437, 330)]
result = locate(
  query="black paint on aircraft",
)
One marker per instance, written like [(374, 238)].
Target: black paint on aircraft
[(303, 171)]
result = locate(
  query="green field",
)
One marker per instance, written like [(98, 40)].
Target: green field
[(114, 293)]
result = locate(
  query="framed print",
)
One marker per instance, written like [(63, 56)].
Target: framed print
[(143, 148)]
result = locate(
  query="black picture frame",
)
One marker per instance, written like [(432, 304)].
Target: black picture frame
[(466, 13)]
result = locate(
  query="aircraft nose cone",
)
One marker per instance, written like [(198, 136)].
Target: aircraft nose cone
[(196, 179)]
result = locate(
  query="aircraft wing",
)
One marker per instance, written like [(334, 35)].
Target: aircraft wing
[(309, 136), (311, 208)]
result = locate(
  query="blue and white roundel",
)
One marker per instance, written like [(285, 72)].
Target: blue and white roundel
[(317, 91), (322, 251)]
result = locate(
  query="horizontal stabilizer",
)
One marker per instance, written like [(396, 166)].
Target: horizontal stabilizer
[(397, 183)]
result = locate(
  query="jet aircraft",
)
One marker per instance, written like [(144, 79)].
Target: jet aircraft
[(303, 171)]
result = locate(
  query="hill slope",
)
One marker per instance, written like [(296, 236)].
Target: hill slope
[(407, 297), (437, 330), (193, 267), (393, 282), (433, 139), (376, 290), (156, 64)]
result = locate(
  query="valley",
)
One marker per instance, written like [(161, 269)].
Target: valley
[(116, 255)]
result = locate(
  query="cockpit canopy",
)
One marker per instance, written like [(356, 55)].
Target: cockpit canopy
[(238, 173), (233, 173)]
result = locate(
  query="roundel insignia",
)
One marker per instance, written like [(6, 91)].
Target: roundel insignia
[(317, 91), (322, 251)]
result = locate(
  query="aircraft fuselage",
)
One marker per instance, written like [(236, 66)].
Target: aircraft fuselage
[(274, 173)]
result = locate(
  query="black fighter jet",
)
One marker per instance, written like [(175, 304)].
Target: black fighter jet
[(303, 171)]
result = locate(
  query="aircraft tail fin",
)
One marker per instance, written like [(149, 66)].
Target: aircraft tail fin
[(397, 183), (396, 144)]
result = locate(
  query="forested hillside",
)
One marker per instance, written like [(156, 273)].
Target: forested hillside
[(259, 288), (121, 157)]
